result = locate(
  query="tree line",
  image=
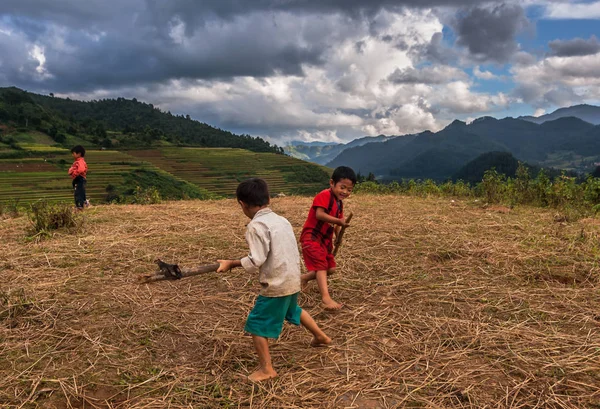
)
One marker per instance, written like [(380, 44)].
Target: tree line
[(115, 123)]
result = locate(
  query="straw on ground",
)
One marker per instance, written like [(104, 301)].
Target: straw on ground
[(447, 305)]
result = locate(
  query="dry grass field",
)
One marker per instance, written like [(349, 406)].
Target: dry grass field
[(447, 305)]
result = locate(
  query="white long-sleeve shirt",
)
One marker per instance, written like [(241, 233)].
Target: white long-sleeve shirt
[(273, 254)]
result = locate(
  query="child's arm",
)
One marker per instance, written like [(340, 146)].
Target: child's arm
[(74, 168), (324, 217), (337, 230), (226, 265)]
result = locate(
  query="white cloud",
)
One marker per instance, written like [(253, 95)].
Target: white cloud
[(483, 75), (457, 97), (572, 10), (559, 81), (346, 95), (37, 53), (572, 71)]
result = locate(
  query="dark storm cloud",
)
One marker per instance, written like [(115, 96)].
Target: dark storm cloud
[(142, 53), (19, 67), (437, 51), (575, 47), (489, 33), (229, 8), (109, 43), (73, 13), (114, 61), (194, 11)]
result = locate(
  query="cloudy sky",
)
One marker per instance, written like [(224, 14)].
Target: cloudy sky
[(310, 69)]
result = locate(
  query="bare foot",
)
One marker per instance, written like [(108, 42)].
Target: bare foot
[(261, 375), (320, 341), (331, 305)]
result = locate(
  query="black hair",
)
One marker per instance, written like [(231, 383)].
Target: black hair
[(78, 149), (253, 192), (343, 172)]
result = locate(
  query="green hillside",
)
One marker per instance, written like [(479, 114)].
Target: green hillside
[(132, 144), (110, 123), (31, 170), (220, 170)]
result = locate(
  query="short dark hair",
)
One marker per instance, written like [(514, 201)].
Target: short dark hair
[(78, 149), (253, 192), (343, 172)]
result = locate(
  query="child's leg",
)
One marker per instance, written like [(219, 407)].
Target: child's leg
[(79, 192), (320, 339), (265, 370), (296, 315), (305, 278), (328, 302), (83, 195), (266, 321)]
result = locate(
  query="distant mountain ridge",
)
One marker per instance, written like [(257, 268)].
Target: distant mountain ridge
[(567, 142), (313, 143), (322, 152), (587, 113)]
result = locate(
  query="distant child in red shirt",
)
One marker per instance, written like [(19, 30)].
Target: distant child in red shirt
[(78, 172), (326, 215)]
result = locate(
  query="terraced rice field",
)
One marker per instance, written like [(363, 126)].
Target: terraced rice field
[(217, 170), (220, 170), (45, 177)]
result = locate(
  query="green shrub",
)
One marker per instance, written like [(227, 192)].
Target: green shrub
[(149, 195), (591, 188), (167, 186), (565, 191), (11, 209), (522, 185), (46, 217), (369, 187), (541, 189), (572, 199), (492, 185)]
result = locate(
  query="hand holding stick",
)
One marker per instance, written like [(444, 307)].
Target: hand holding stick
[(338, 239)]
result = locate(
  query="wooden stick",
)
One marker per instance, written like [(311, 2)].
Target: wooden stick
[(338, 239), (185, 272)]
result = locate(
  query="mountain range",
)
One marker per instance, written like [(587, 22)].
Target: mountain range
[(568, 138), (565, 143), (587, 113), (324, 152)]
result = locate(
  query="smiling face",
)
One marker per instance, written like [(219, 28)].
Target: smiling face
[(342, 189)]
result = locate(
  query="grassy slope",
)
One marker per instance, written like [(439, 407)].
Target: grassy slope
[(217, 170), (34, 178), (447, 305), (220, 170)]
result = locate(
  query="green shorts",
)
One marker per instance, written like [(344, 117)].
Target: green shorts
[(267, 316)]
